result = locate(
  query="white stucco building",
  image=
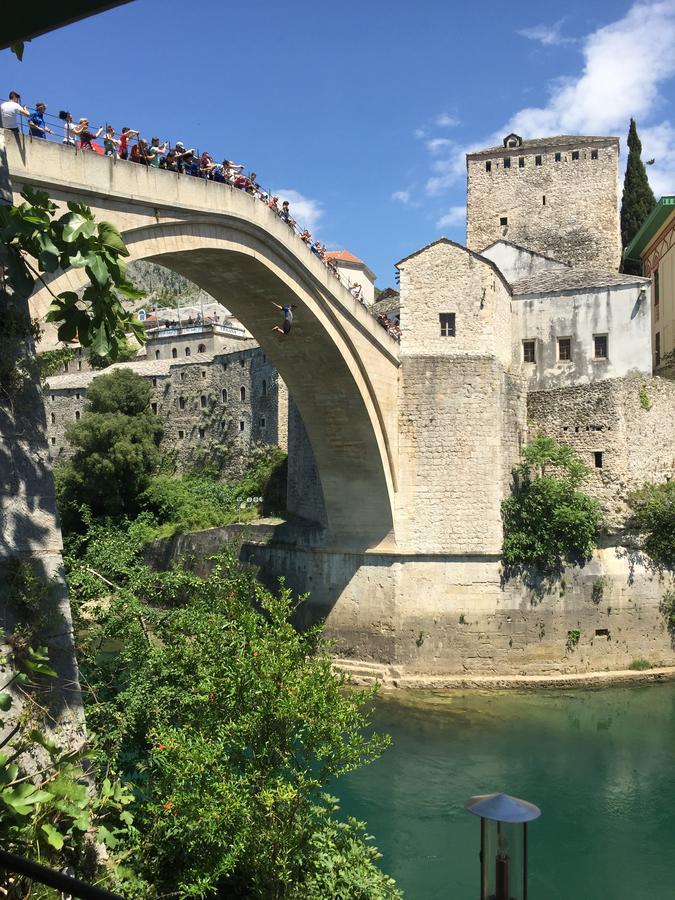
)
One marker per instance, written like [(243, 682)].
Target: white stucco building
[(355, 271)]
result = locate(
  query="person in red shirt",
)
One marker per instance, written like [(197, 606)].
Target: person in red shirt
[(126, 135)]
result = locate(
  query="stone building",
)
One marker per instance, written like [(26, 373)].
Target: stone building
[(212, 406), (654, 247), (555, 195)]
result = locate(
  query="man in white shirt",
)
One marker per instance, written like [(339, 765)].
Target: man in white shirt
[(10, 111)]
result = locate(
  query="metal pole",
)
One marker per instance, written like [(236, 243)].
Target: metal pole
[(52, 878)]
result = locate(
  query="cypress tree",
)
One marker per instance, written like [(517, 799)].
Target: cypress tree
[(638, 198)]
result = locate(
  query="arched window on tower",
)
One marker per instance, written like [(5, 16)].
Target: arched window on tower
[(242, 393), (174, 352), (224, 395), (201, 348)]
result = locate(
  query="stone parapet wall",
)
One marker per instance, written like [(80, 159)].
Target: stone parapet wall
[(636, 444)]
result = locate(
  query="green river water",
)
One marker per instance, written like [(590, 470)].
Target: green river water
[(599, 763)]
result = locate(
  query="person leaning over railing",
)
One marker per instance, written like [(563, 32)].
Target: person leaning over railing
[(10, 111)]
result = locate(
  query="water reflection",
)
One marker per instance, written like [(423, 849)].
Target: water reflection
[(600, 764)]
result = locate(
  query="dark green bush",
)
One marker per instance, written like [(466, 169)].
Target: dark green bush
[(547, 520), (652, 521)]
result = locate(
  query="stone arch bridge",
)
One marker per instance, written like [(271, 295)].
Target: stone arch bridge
[(340, 366)]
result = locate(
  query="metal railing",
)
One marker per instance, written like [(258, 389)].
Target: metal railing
[(58, 127), (53, 878)]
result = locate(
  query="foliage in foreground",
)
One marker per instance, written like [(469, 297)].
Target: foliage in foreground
[(50, 810), (548, 520), (652, 522), (230, 725)]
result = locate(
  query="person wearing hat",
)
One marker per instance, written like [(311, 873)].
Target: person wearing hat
[(184, 158), (36, 123), (125, 136), (10, 111)]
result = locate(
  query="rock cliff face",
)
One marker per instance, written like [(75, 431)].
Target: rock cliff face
[(163, 287)]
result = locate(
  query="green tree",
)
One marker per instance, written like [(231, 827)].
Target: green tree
[(652, 521), (118, 448), (638, 198), (229, 722), (547, 519)]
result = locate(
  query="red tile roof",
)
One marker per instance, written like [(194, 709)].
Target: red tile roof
[(345, 255)]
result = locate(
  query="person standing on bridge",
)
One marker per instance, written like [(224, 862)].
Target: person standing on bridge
[(10, 111), (37, 125), (125, 136), (288, 319)]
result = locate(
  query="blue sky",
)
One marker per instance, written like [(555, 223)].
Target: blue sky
[(361, 114)]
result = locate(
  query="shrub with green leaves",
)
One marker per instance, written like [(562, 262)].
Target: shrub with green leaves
[(118, 448), (548, 520), (652, 521), (230, 724)]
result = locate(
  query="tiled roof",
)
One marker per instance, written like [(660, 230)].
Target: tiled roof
[(392, 303), (555, 281), (344, 255), (147, 367), (557, 142)]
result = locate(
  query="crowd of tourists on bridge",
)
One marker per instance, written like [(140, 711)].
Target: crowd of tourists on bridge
[(129, 145)]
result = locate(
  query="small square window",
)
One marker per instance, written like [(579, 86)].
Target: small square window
[(153, 406), (447, 321), (597, 456), (600, 346), (77, 396), (575, 155), (528, 352), (242, 362), (594, 154), (488, 166), (557, 157), (203, 373), (521, 162), (241, 425), (564, 349), (504, 220), (201, 432), (181, 434), (507, 162), (537, 160), (53, 442), (77, 415)]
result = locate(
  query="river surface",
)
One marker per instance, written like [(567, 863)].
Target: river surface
[(599, 763)]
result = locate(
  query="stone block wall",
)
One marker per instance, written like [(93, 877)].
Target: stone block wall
[(461, 425), (304, 495), (566, 208), (608, 425), (447, 278), (200, 403)]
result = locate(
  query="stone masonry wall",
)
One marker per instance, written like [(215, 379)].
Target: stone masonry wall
[(636, 444), (567, 209), (199, 401), (304, 495), (461, 425)]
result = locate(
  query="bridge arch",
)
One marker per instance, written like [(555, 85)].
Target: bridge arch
[(340, 367)]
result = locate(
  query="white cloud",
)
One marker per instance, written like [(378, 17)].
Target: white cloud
[(456, 215), (436, 145), (624, 65), (548, 35), (305, 211), (420, 133), (401, 196), (444, 120)]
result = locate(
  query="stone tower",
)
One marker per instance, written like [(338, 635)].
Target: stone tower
[(556, 195)]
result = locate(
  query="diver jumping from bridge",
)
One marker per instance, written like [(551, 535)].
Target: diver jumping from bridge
[(288, 319)]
